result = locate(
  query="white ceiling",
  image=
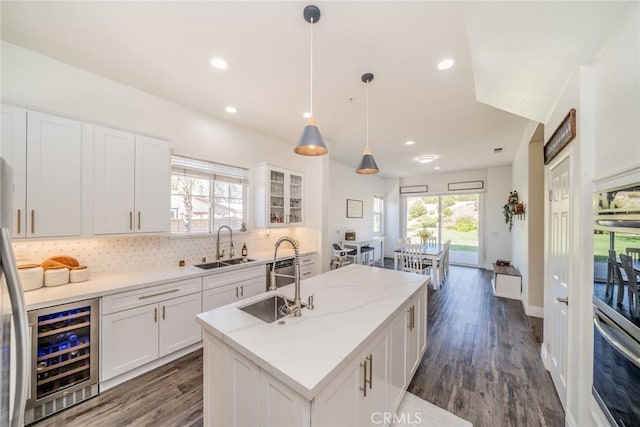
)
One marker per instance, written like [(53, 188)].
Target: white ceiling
[(513, 59)]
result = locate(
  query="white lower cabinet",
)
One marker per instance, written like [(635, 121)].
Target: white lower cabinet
[(129, 340), (307, 266), (225, 288), (364, 393), (177, 327), (140, 326)]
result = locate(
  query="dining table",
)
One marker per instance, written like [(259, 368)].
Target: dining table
[(430, 251), (359, 244)]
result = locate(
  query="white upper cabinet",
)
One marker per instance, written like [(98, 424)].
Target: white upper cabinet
[(279, 197), (13, 149), (53, 205), (113, 181), (131, 183), (153, 177)]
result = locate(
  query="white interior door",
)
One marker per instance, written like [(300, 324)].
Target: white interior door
[(558, 275)]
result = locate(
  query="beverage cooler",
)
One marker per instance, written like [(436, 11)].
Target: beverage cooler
[(64, 357)]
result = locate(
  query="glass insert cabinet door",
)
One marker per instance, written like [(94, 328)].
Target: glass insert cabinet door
[(281, 193)]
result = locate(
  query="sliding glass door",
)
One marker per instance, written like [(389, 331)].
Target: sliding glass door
[(452, 217)]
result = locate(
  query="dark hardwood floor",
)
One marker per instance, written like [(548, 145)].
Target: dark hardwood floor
[(483, 357), (482, 364)]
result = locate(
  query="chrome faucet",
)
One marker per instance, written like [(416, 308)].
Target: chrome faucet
[(219, 254), (296, 309)]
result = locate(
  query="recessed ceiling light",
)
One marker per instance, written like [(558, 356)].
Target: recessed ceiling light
[(219, 63), (445, 64), (409, 143), (231, 110), (307, 115), (437, 168), (425, 158)]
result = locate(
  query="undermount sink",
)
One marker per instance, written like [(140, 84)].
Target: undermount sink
[(269, 309), (225, 263)]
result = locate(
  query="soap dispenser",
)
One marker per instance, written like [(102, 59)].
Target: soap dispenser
[(244, 252)]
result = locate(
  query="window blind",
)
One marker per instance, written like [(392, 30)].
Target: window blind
[(203, 169)]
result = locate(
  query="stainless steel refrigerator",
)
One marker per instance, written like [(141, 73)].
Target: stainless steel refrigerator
[(14, 339)]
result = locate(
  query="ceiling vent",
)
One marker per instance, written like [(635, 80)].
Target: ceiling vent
[(498, 150)]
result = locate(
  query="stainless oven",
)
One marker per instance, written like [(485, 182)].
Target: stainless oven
[(616, 343), (285, 268)]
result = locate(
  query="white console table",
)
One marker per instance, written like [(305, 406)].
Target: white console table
[(375, 242)]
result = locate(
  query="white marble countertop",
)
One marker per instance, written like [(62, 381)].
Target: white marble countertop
[(107, 284), (351, 304)]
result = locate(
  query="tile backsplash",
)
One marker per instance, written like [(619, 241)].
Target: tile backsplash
[(106, 255)]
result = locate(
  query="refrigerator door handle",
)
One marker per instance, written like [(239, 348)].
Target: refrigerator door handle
[(631, 354), (21, 325)]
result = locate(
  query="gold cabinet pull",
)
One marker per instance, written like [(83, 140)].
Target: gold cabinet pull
[(19, 221), (363, 365), (139, 220), (242, 290), (155, 315), (370, 370), (33, 221), (158, 294), (236, 292), (413, 317), (409, 320), (130, 220), (163, 313)]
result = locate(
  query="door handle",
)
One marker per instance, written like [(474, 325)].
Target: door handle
[(629, 354), (563, 300)]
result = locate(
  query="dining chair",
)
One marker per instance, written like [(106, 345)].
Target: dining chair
[(634, 253), (432, 241), (612, 275), (619, 277), (632, 285), (413, 261)]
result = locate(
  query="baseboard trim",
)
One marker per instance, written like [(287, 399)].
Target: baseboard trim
[(533, 311), (112, 382), (544, 356)]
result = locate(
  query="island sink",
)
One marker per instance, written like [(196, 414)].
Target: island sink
[(269, 309)]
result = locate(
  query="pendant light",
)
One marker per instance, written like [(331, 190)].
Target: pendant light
[(367, 165), (311, 143)]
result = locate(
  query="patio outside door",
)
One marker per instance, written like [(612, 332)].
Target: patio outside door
[(452, 217)]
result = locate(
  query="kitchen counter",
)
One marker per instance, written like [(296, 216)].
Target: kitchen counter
[(305, 353), (107, 284)]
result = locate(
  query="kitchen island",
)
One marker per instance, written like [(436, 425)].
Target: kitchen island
[(353, 355)]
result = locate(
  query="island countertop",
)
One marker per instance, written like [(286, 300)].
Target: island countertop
[(351, 304)]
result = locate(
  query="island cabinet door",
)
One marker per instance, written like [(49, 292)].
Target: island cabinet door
[(412, 314), (372, 405), (280, 406), (243, 391), (421, 320), (397, 359)]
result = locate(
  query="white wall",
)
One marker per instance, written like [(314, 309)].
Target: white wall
[(42, 83), (345, 183), (392, 208), (617, 92)]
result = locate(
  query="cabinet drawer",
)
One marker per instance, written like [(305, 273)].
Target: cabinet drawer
[(222, 279), (153, 294), (307, 259)]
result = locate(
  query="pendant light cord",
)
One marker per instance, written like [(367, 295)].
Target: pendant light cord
[(367, 122), (311, 71)]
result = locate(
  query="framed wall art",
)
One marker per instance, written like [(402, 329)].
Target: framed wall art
[(354, 208)]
